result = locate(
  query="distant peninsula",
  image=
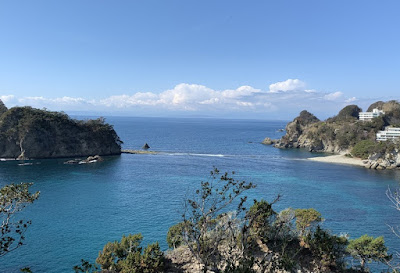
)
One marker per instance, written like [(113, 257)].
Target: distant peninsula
[(29, 133), (370, 136)]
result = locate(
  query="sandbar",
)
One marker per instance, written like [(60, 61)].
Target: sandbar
[(339, 159)]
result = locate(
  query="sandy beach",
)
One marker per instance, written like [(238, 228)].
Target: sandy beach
[(339, 159)]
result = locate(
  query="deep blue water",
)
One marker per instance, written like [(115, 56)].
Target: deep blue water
[(82, 207)]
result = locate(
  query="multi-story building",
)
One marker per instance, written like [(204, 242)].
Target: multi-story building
[(390, 133), (370, 115)]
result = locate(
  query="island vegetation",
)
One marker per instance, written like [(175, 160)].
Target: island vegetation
[(346, 134), (29, 133)]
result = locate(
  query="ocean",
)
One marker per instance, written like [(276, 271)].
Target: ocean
[(82, 207)]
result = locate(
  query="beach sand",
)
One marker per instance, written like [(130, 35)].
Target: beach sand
[(339, 159)]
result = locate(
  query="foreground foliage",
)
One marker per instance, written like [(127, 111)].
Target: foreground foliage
[(220, 233), (13, 198), (127, 256), (367, 249)]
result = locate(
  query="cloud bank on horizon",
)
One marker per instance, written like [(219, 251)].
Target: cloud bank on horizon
[(282, 99)]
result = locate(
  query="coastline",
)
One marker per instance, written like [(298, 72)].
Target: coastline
[(339, 159)]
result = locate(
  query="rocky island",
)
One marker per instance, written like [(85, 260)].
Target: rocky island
[(345, 134), (29, 133)]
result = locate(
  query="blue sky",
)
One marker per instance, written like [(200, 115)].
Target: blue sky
[(261, 59)]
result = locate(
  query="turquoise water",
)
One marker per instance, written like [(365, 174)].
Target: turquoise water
[(82, 207)]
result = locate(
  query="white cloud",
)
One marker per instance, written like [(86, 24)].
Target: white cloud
[(288, 96), (7, 98), (186, 94), (240, 92), (351, 100), (333, 96), (288, 85)]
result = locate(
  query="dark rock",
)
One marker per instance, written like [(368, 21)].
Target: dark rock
[(267, 141), (374, 165), (146, 146)]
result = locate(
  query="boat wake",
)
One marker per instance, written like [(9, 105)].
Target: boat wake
[(194, 154)]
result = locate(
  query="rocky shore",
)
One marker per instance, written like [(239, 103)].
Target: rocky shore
[(350, 140), (29, 133)]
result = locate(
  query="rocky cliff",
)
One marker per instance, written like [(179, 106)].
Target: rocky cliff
[(26, 132), (341, 134)]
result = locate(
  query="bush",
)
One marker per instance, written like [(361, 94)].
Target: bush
[(364, 148), (174, 235), (126, 256), (329, 250)]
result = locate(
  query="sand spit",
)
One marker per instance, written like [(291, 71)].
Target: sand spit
[(339, 159)]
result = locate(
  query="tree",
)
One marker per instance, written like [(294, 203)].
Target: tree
[(127, 256), (3, 108), (329, 250), (367, 249), (394, 197), (207, 226), (13, 198), (305, 218), (85, 267), (174, 235)]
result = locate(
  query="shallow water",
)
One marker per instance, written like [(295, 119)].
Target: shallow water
[(82, 207)]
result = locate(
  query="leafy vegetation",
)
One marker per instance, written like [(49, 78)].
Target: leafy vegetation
[(348, 113), (305, 218), (306, 118), (222, 234), (174, 235), (363, 149), (127, 256), (367, 249), (13, 199), (35, 133), (3, 108)]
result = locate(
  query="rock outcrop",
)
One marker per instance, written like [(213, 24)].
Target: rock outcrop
[(146, 146), (90, 159), (341, 133), (269, 141), (379, 161), (31, 133)]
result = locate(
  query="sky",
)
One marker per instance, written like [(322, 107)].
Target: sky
[(231, 59)]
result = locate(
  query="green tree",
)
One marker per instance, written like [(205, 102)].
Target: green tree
[(207, 226), (127, 256), (13, 198), (329, 250), (305, 219), (174, 235), (367, 249), (85, 267), (364, 148)]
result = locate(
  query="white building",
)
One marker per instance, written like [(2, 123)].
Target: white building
[(370, 115), (390, 133)]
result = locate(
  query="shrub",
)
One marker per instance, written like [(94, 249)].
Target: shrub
[(328, 249), (363, 149), (126, 256)]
